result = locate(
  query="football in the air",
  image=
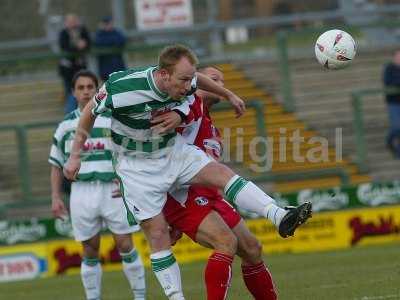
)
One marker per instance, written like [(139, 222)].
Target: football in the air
[(335, 49)]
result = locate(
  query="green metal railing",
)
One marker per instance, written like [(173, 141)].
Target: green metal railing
[(24, 171), (357, 99), (284, 70)]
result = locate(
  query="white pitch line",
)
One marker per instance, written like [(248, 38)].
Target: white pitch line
[(397, 296)]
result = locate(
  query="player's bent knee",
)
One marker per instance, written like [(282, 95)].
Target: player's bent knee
[(91, 247), (252, 251), (124, 244), (158, 237), (217, 175), (89, 251)]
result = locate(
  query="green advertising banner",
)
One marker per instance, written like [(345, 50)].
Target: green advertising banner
[(339, 198), (33, 230)]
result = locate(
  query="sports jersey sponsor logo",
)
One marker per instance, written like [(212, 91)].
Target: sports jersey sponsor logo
[(100, 96), (212, 147), (90, 146), (202, 201)]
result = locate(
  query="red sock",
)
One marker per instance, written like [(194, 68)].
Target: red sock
[(218, 275), (259, 282)]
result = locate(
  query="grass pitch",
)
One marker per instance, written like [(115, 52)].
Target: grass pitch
[(361, 273)]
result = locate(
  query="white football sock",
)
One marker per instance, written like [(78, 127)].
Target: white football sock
[(168, 274), (246, 195), (134, 272), (91, 278)]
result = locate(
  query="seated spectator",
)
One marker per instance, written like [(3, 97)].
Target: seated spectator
[(110, 42)]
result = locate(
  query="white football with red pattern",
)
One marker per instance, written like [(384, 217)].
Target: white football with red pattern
[(335, 49)]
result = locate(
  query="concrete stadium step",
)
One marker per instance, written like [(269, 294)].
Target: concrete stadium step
[(11, 108), (344, 105), (226, 114), (270, 118), (6, 194), (252, 132), (311, 98), (24, 96), (271, 123), (235, 75), (29, 86), (251, 94), (318, 183), (325, 86), (38, 211), (43, 115), (278, 158), (239, 84)]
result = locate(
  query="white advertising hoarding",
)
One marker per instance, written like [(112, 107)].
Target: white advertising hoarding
[(157, 14)]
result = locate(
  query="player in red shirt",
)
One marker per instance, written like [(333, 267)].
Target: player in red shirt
[(211, 221)]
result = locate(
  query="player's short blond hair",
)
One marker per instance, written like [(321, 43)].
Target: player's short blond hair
[(170, 56)]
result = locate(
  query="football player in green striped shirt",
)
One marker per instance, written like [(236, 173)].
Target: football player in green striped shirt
[(91, 201), (150, 159)]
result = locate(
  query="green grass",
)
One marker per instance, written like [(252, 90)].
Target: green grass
[(362, 273)]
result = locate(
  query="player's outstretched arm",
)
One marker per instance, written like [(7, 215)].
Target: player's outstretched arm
[(85, 125), (207, 84)]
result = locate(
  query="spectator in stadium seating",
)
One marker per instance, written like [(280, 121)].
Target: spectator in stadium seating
[(110, 42), (74, 42), (391, 80), (95, 196)]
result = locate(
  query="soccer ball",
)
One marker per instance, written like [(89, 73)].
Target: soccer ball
[(335, 49)]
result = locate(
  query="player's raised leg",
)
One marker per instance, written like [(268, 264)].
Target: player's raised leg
[(248, 196)]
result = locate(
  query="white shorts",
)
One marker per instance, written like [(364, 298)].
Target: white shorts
[(146, 180), (92, 205)]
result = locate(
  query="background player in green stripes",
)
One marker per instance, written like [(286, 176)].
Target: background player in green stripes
[(92, 201), (151, 160)]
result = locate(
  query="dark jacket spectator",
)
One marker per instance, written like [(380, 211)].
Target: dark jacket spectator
[(74, 42), (391, 80), (110, 43)]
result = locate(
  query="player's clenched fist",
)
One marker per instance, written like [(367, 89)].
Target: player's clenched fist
[(72, 167)]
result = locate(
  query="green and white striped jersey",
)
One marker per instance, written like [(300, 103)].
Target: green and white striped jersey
[(133, 99), (96, 155)]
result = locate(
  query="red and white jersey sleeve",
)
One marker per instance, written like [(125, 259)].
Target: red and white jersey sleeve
[(201, 132)]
